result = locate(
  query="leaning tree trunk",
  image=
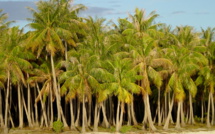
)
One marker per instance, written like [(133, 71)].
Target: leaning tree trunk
[(7, 101), (26, 110), (208, 113), (44, 116), (62, 114), (35, 106), (96, 117), (166, 124), (148, 112), (133, 117), (57, 94), (104, 115), (29, 103)]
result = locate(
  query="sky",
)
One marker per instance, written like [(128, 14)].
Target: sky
[(196, 13)]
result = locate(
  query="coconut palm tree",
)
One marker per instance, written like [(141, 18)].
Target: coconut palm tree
[(122, 82), (186, 64), (42, 74), (142, 29), (78, 78), (206, 75), (14, 61), (48, 24)]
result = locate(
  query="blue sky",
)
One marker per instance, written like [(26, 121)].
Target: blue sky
[(196, 13)]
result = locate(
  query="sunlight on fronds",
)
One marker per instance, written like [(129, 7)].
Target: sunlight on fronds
[(190, 85), (161, 62), (155, 77), (179, 91)]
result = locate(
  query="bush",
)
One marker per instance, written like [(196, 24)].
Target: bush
[(198, 119), (58, 126), (125, 129)]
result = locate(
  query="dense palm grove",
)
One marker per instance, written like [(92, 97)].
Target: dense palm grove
[(89, 72)]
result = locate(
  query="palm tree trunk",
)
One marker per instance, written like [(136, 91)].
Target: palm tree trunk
[(41, 121), (111, 111), (7, 101), (57, 94), (85, 112), (61, 112), (44, 116), (11, 120), (20, 107), (212, 108), (191, 118), (83, 130), (178, 116), (1, 114), (166, 124), (51, 108), (202, 108), (89, 113), (165, 106), (29, 102), (26, 110), (121, 115), (148, 112), (208, 113), (35, 106), (117, 117), (159, 111), (133, 114), (78, 114), (182, 115), (144, 122), (96, 117), (129, 114), (72, 115), (104, 115)]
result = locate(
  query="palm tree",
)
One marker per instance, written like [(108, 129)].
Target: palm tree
[(3, 24), (42, 74), (2, 81), (97, 41), (14, 61), (122, 82), (206, 75), (49, 24), (142, 29), (186, 63), (78, 78)]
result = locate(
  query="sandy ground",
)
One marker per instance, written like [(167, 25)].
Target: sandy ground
[(170, 131), (196, 132), (199, 132)]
